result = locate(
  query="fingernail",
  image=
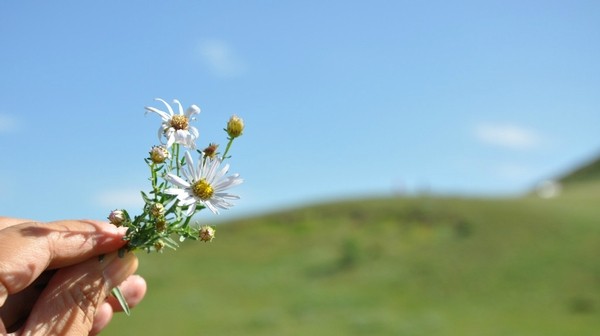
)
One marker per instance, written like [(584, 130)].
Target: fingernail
[(119, 230), (117, 269)]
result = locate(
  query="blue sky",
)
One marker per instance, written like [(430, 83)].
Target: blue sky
[(340, 98)]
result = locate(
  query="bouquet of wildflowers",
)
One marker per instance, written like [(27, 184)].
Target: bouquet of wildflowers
[(180, 185)]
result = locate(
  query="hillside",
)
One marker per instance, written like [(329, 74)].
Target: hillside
[(388, 266), (587, 172)]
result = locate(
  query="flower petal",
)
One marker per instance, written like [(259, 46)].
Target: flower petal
[(176, 180), (170, 139), (162, 114), (189, 161), (174, 191), (210, 206), (227, 196), (180, 107), (194, 132), (194, 109), (167, 105), (190, 210)]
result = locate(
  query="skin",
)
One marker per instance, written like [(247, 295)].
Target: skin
[(53, 280)]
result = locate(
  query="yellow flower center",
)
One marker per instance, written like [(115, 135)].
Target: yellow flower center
[(179, 122), (202, 190)]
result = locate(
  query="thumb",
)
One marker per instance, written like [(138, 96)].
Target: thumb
[(68, 304)]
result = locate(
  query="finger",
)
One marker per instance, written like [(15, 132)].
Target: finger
[(133, 289), (18, 306), (103, 317), (69, 303), (30, 248), (8, 221)]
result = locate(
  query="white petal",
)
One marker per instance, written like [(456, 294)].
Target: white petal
[(194, 132), (170, 139), (212, 169), (187, 175), (190, 166), (174, 179), (192, 110), (187, 201), (203, 166), (230, 182), (190, 210), (162, 114), (167, 105), (227, 196), (221, 173), (223, 204), (161, 132), (180, 107), (211, 207), (174, 191)]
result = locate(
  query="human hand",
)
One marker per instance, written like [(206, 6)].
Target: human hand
[(52, 280)]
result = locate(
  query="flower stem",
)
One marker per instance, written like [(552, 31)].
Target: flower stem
[(227, 149), (176, 150), (153, 172)]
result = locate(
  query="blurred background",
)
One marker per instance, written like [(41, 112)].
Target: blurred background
[(411, 168)]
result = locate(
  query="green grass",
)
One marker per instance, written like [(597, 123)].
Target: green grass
[(389, 266), (588, 172)]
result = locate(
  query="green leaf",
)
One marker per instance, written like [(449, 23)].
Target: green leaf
[(146, 198), (170, 243), (116, 292)]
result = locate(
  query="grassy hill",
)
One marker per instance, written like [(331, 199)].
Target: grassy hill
[(588, 172), (388, 266)]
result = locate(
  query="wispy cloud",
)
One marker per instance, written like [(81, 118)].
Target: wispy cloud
[(8, 124), (221, 59), (513, 171), (119, 199), (508, 136)]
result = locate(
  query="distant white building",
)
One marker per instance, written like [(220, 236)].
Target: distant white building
[(548, 189)]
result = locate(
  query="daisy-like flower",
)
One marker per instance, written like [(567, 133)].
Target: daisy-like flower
[(204, 184), (176, 127)]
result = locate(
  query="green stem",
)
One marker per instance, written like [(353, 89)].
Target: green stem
[(227, 149), (154, 181), (176, 150)]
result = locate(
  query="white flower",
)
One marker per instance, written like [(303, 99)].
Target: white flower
[(176, 127), (204, 184)]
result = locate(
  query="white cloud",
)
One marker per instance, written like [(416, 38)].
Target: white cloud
[(120, 198), (508, 136), (8, 124), (516, 172), (220, 58)]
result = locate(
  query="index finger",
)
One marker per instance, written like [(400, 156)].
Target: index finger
[(27, 249), (8, 221)]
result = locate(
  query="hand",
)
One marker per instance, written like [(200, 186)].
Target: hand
[(53, 280)]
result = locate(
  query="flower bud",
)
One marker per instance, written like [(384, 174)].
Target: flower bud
[(161, 224), (159, 245), (158, 154), (206, 233), (211, 150), (157, 210), (235, 127), (116, 217)]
